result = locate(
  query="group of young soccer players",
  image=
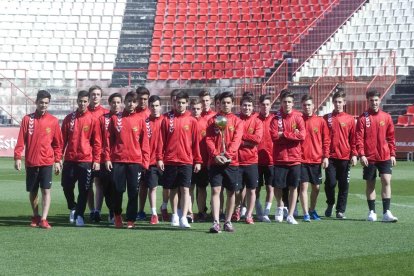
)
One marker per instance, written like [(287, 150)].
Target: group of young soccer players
[(138, 148)]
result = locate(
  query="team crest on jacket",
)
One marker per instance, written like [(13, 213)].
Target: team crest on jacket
[(203, 133), (135, 129), (48, 130), (315, 130), (231, 128), (86, 128), (382, 123), (294, 126), (343, 124), (186, 127), (250, 130)]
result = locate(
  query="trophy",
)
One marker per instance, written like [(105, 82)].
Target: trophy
[(221, 123)]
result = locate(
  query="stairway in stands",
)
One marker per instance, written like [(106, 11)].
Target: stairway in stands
[(135, 42), (402, 98)]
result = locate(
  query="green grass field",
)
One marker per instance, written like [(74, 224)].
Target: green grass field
[(328, 247)]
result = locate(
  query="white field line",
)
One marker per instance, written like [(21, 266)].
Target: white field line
[(363, 197)]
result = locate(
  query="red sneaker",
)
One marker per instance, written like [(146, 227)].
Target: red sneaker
[(35, 221), (118, 221), (154, 219), (165, 216), (44, 224), (236, 215), (249, 220), (130, 225)]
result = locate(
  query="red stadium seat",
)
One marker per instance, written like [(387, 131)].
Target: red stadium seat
[(152, 75), (403, 120), (410, 110)]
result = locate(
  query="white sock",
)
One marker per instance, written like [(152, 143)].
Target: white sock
[(153, 211), (164, 205), (268, 205)]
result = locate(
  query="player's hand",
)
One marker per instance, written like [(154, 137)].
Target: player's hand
[(219, 160), (364, 161), (18, 164), (96, 166), (197, 168), (393, 161), (354, 160), (108, 166), (58, 168), (160, 165), (325, 163)]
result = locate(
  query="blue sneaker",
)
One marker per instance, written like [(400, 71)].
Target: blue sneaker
[(141, 216), (314, 215), (306, 218)]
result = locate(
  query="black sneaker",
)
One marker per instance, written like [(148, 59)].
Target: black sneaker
[(222, 217), (97, 217), (328, 211)]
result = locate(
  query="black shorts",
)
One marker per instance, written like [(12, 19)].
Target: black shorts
[(226, 176), (38, 177), (73, 172), (286, 176), (266, 175), (383, 167), (200, 179), (152, 177), (311, 173), (175, 176), (249, 176)]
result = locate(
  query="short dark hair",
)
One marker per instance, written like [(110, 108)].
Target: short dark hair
[(114, 95), (372, 92), (306, 97), (248, 99), (182, 95), (95, 87), (154, 98), (83, 93), (42, 94), (195, 101), (217, 97), (247, 93), (203, 93), (226, 94), (133, 95), (286, 93), (141, 90), (265, 97), (174, 93), (339, 93)]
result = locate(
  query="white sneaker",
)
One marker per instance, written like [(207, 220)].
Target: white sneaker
[(184, 223), (175, 220), (388, 217), (266, 219), (79, 221), (279, 214), (243, 212), (285, 212), (372, 216), (291, 220), (72, 216)]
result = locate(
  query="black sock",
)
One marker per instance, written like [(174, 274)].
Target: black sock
[(371, 205), (386, 202)]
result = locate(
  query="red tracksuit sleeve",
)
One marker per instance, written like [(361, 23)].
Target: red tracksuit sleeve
[(96, 142), (210, 139), (196, 143), (163, 137), (65, 134), (145, 146), (326, 139), (360, 136), (21, 139), (352, 138), (391, 136), (233, 147), (274, 129), (57, 143), (296, 135), (257, 135)]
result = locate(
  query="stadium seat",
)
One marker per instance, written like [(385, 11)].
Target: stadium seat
[(410, 110), (403, 120)]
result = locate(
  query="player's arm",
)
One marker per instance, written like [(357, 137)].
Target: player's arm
[(18, 150), (297, 134), (390, 138), (360, 140), (352, 142), (253, 139), (234, 145)]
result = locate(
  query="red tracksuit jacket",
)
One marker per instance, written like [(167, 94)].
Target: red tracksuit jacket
[(127, 141), (202, 130), (153, 125), (375, 136), (144, 114), (252, 133), (104, 121), (233, 135), (98, 111), (287, 150), (81, 137), (265, 148), (315, 147), (208, 115), (41, 137), (179, 143), (342, 132)]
